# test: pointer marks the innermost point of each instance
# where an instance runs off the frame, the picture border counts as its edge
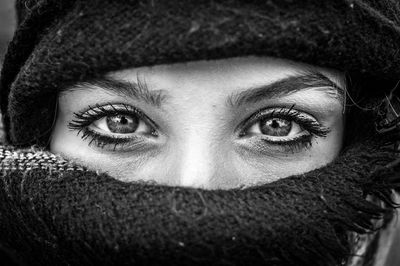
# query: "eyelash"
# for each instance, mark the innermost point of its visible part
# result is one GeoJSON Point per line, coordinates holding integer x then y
{"type": "Point", "coordinates": [85, 118]}
{"type": "Point", "coordinates": [305, 121]}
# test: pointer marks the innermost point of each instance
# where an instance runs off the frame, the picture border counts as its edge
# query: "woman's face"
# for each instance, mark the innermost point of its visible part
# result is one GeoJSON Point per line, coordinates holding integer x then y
{"type": "Point", "coordinates": [210, 124]}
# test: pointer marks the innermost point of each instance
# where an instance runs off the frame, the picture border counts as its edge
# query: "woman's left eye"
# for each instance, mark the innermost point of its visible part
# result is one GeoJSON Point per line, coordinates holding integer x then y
{"type": "Point", "coordinates": [276, 127]}
{"type": "Point", "coordinates": [282, 127]}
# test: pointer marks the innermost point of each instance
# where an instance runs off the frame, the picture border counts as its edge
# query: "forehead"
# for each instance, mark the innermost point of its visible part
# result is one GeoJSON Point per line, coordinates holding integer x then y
{"type": "Point", "coordinates": [221, 76]}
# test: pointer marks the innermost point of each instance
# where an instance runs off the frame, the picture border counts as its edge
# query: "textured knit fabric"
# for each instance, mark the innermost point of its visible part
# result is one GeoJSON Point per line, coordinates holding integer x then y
{"type": "Point", "coordinates": [53, 212]}
{"type": "Point", "coordinates": [62, 42]}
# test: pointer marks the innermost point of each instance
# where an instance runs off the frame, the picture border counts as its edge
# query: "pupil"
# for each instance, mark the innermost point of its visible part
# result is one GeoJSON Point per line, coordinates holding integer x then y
{"type": "Point", "coordinates": [124, 120]}
{"type": "Point", "coordinates": [275, 127]}
{"type": "Point", "coordinates": [122, 124]}
{"type": "Point", "coordinates": [275, 124]}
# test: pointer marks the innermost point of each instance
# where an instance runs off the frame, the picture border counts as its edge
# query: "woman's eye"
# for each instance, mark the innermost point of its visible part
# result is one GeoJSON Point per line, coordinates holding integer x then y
{"type": "Point", "coordinates": [121, 124]}
{"type": "Point", "coordinates": [113, 126]}
{"type": "Point", "coordinates": [276, 127]}
{"type": "Point", "coordinates": [281, 129]}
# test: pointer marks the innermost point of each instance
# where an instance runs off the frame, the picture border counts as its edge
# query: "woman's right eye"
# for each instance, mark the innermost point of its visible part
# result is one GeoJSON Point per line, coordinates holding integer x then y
{"type": "Point", "coordinates": [122, 124]}
{"type": "Point", "coordinates": [115, 125]}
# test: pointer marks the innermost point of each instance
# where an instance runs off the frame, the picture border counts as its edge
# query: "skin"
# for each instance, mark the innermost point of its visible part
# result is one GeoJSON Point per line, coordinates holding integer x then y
{"type": "Point", "coordinates": [199, 141]}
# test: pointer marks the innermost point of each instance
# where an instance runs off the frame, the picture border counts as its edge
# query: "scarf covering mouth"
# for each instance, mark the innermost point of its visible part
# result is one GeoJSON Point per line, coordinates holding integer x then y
{"type": "Point", "coordinates": [61, 42]}
{"type": "Point", "coordinates": [56, 212]}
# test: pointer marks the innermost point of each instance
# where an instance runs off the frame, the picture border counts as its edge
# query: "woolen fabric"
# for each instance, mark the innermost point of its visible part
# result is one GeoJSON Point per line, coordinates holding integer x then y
{"type": "Point", "coordinates": [54, 212]}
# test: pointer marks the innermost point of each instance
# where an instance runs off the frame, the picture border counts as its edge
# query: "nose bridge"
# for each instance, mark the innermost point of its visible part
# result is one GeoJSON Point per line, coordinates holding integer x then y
{"type": "Point", "coordinates": [197, 162]}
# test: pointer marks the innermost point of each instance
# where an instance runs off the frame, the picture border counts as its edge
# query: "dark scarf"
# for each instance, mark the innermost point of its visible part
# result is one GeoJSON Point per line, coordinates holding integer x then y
{"type": "Point", "coordinates": [55, 212]}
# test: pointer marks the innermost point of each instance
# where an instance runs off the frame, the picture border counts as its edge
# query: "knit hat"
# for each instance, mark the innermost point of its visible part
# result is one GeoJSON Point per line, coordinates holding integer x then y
{"type": "Point", "coordinates": [59, 43]}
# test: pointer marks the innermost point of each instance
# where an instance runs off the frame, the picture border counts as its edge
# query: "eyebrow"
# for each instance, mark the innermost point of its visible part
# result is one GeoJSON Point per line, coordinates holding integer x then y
{"type": "Point", "coordinates": [286, 86]}
{"type": "Point", "coordinates": [138, 90]}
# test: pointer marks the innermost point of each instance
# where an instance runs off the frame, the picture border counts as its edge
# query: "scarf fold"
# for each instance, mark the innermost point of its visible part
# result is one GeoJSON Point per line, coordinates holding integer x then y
{"type": "Point", "coordinates": [53, 211]}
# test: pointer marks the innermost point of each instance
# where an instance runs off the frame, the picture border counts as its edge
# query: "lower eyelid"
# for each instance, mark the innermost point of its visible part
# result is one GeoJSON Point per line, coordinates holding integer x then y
{"type": "Point", "coordinates": [104, 140]}
{"type": "Point", "coordinates": [283, 139]}
{"type": "Point", "coordinates": [264, 148]}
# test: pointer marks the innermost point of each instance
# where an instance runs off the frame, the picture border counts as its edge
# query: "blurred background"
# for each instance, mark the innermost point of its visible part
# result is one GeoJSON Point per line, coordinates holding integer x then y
{"type": "Point", "coordinates": [7, 25]}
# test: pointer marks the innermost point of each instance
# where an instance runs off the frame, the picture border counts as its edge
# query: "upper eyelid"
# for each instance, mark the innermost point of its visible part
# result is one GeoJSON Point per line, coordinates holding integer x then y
{"type": "Point", "coordinates": [142, 114]}
{"type": "Point", "coordinates": [323, 131]}
{"type": "Point", "coordinates": [278, 111]}
{"type": "Point", "coordinates": [102, 112]}
{"type": "Point", "coordinates": [128, 108]}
